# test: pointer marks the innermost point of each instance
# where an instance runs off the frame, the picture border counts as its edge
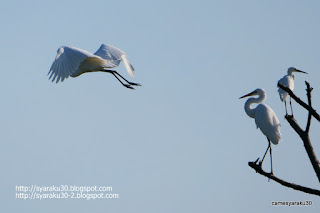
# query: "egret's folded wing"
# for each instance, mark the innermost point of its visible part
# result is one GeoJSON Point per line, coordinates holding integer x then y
{"type": "Point", "coordinates": [67, 62]}
{"type": "Point", "coordinates": [285, 81]}
{"type": "Point", "coordinates": [267, 121]}
{"type": "Point", "coordinates": [288, 82]}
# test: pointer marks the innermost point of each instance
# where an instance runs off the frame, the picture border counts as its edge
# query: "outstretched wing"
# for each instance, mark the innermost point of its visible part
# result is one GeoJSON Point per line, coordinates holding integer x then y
{"type": "Point", "coordinates": [67, 62]}
{"type": "Point", "coordinates": [114, 56]}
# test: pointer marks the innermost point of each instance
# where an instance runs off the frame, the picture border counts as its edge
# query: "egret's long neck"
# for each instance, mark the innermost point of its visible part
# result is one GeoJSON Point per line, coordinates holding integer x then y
{"type": "Point", "coordinates": [251, 112]}
{"type": "Point", "coordinates": [290, 72]}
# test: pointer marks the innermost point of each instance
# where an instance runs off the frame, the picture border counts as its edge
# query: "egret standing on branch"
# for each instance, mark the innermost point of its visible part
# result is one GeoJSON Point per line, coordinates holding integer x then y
{"type": "Point", "coordinates": [266, 120]}
{"type": "Point", "coordinates": [288, 81]}
{"type": "Point", "coordinates": [72, 61]}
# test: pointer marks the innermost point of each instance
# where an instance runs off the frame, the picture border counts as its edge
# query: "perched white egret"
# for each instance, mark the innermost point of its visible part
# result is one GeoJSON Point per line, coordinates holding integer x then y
{"type": "Point", "coordinates": [72, 61]}
{"type": "Point", "coordinates": [288, 81]}
{"type": "Point", "coordinates": [265, 118]}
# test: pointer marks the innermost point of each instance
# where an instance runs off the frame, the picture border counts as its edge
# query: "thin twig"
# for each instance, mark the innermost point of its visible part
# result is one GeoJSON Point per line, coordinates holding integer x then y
{"type": "Point", "coordinates": [309, 90]}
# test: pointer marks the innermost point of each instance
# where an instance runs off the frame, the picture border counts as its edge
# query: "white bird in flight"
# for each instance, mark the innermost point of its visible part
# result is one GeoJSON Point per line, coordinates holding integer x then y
{"type": "Point", "coordinates": [72, 61]}
{"type": "Point", "coordinates": [265, 118]}
{"type": "Point", "coordinates": [288, 81]}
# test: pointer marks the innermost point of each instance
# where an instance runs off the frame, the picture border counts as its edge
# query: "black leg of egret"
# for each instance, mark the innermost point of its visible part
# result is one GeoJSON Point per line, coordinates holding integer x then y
{"type": "Point", "coordinates": [291, 107]}
{"type": "Point", "coordinates": [285, 104]}
{"type": "Point", "coordinates": [131, 83]}
{"type": "Point", "coordinates": [265, 152]}
{"type": "Point", "coordinates": [271, 157]}
{"type": "Point", "coordinates": [125, 85]}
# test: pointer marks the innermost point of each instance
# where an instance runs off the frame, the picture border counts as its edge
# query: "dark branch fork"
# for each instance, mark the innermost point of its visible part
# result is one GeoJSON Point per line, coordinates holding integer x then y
{"type": "Point", "coordinates": [304, 135]}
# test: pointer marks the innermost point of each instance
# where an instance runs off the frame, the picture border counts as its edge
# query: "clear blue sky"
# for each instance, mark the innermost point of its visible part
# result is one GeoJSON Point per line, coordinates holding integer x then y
{"type": "Point", "coordinates": [182, 141]}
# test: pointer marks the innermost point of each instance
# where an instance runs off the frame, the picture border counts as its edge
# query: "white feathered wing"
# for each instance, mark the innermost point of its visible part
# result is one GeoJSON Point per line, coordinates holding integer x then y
{"type": "Point", "coordinates": [268, 122]}
{"type": "Point", "coordinates": [287, 81]}
{"type": "Point", "coordinates": [115, 55]}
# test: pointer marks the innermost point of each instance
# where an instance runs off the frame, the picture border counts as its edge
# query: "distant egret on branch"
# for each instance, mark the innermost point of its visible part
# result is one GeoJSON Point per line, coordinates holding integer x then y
{"type": "Point", "coordinates": [265, 118]}
{"type": "Point", "coordinates": [72, 61]}
{"type": "Point", "coordinates": [288, 81]}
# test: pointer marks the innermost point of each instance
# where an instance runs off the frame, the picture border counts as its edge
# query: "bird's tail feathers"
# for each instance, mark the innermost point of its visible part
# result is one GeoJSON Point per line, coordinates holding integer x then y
{"type": "Point", "coordinates": [282, 94]}
{"type": "Point", "coordinates": [277, 138]}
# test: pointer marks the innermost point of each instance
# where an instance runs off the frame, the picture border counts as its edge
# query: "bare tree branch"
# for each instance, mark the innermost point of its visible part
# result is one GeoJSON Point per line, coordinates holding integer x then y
{"type": "Point", "coordinates": [293, 123]}
{"type": "Point", "coordinates": [304, 135]}
{"type": "Point", "coordinates": [298, 100]}
{"type": "Point", "coordinates": [307, 144]}
{"type": "Point", "coordinates": [259, 170]}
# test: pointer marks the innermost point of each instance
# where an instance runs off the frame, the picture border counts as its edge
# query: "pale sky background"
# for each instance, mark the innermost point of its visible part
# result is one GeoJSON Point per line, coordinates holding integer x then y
{"type": "Point", "coordinates": [182, 141]}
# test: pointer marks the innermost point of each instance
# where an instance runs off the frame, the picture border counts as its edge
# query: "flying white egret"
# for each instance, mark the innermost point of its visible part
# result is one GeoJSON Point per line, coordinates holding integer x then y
{"type": "Point", "coordinates": [265, 118]}
{"type": "Point", "coordinates": [288, 81]}
{"type": "Point", "coordinates": [72, 61]}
